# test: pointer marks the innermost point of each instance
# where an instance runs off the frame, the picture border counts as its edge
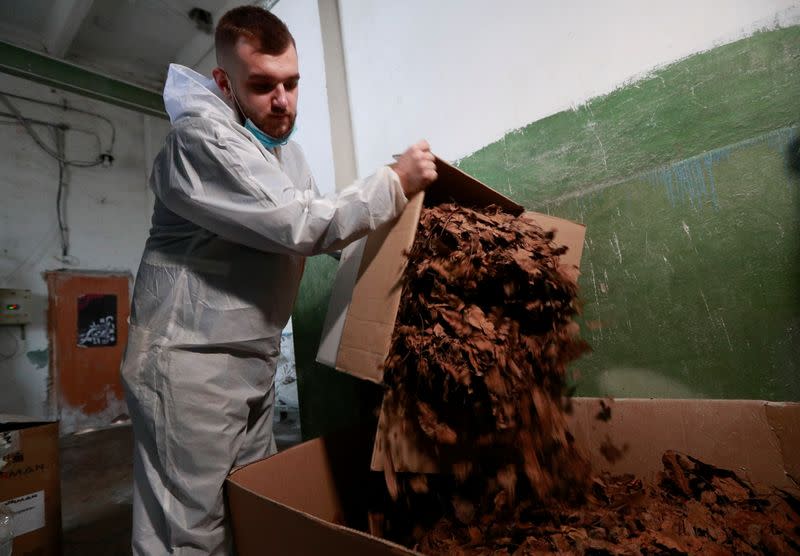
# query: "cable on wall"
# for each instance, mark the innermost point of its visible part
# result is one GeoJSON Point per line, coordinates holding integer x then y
{"type": "Point", "coordinates": [59, 154]}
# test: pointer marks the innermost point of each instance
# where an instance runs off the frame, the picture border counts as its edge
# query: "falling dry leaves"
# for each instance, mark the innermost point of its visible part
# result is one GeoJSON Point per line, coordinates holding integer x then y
{"type": "Point", "coordinates": [482, 341]}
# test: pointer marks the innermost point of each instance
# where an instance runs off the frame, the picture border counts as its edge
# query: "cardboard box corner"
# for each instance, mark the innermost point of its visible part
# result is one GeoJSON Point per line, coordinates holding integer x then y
{"type": "Point", "coordinates": [30, 482]}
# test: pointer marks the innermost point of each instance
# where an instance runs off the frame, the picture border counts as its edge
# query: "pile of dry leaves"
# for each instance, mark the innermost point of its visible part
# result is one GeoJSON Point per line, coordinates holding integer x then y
{"type": "Point", "coordinates": [477, 375]}
{"type": "Point", "coordinates": [695, 509]}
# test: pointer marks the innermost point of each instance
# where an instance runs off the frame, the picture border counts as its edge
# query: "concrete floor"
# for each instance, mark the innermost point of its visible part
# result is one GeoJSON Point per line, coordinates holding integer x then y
{"type": "Point", "coordinates": [96, 487]}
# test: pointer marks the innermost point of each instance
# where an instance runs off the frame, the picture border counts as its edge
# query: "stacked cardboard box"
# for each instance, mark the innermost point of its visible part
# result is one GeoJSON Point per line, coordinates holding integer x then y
{"type": "Point", "coordinates": [30, 483]}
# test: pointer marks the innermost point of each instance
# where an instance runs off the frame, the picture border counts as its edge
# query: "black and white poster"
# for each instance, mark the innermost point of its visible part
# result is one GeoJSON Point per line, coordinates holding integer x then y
{"type": "Point", "coordinates": [97, 320]}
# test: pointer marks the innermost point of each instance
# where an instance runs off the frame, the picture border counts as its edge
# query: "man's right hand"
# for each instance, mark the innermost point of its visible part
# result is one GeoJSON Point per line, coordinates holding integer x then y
{"type": "Point", "coordinates": [416, 168]}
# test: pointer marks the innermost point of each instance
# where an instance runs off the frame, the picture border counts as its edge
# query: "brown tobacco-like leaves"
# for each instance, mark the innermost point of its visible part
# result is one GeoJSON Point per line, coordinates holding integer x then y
{"type": "Point", "coordinates": [694, 509]}
{"type": "Point", "coordinates": [481, 345]}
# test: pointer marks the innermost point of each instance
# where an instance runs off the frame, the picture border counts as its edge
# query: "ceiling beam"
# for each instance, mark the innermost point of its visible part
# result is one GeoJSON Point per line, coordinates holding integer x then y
{"type": "Point", "coordinates": [62, 25]}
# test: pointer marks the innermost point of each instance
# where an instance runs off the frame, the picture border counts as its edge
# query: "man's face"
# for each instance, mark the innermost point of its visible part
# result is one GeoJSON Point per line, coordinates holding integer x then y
{"type": "Point", "coordinates": [266, 86]}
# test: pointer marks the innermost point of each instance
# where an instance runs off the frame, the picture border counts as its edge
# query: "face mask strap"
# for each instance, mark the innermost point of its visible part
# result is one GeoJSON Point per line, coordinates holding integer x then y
{"type": "Point", "coordinates": [233, 94]}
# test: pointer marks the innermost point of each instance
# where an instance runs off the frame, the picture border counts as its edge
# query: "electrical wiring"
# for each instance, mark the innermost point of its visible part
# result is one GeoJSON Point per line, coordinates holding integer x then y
{"type": "Point", "coordinates": [68, 108]}
{"type": "Point", "coordinates": [62, 227]}
{"type": "Point", "coordinates": [59, 154]}
{"type": "Point", "coordinates": [15, 122]}
{"type": "Point", "coordinates": [42, 145]}
{"type": "Point", "coordinates": [61, 171]}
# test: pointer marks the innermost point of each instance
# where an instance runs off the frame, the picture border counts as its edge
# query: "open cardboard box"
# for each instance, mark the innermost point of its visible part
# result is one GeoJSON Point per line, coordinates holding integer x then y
{"type": "Point", "coordinates": [312, 499]}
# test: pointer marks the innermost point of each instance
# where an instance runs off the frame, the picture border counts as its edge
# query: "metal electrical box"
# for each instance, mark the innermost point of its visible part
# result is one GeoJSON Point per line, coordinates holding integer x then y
{"type": "Point", "coordinates": [15, 306]}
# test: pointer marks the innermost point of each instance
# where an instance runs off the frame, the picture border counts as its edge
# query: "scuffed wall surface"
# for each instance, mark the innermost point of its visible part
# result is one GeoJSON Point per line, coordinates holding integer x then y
{"type": "Point", "coordinates": [687, 182]}
{"type": "Point", "coordinates": [108, 214]}
{"type": "Point", "coordinates": [690, 277]}
{"type": "Point", "coordinates": [705, 102]}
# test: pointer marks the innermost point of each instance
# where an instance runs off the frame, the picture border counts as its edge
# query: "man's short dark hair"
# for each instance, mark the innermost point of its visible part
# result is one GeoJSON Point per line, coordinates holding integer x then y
{"type": "Point", "coordinates": [255, 23]}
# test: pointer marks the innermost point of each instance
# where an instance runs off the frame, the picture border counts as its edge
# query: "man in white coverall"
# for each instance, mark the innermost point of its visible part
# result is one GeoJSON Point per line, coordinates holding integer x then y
{"type": "Point", "coordinates": [236, 213]}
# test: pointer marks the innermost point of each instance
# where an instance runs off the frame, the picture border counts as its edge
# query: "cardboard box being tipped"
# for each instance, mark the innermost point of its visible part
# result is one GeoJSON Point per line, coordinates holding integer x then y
{"type": "Point", "coordinates": [357, 333]}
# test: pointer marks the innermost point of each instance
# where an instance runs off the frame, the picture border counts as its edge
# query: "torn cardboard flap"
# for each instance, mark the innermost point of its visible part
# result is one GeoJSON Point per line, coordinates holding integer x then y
{"type": "Point", "coordinates": [358, 329]}
{"type": "Point", "coordinates": [357, 333]}
{"type": "Point", "coordinates": [567, 233]}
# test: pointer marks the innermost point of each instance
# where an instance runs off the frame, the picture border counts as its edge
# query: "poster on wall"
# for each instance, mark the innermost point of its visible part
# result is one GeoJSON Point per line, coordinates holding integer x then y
{"type": "Point", "coordinates": [97, 320]}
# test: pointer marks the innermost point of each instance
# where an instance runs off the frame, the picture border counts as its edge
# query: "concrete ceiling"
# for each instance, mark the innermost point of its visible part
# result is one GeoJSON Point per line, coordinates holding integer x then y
{"type": "Point", "coordinates": [133, 40]}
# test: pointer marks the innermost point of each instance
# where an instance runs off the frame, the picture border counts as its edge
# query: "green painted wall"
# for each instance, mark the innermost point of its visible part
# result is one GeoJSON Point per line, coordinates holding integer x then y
{"type": "Point", "coordinates": [691, 269]}
{"type": "Point", "coordinates": [710, 100]}
{"type": "Point", "coordinates": [689, 183]}
{"type": "Point", "coordinates": [329, 400]}
{"type": "Point", "coordinates": [691, 277]}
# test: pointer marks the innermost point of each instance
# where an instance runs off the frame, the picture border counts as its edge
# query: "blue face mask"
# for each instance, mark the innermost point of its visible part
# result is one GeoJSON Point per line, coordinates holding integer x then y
{"type": "Point", "coordinates": [268, 141]}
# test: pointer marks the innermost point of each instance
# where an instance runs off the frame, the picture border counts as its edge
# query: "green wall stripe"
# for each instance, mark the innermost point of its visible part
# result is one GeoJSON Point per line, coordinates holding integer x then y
{"type": "Point", "coordinates": [701, 103]}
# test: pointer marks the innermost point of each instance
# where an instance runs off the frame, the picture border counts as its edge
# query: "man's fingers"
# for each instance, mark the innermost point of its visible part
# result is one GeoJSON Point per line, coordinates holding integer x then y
{"type": "Point", "coordinates": [429, 170]}
{"type": "Point", "coordinates": [416, 168]}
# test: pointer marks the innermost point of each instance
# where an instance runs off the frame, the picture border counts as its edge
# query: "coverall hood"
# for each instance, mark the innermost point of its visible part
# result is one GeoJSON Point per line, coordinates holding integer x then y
{"type": "Point", "coordinates": [188, 93]}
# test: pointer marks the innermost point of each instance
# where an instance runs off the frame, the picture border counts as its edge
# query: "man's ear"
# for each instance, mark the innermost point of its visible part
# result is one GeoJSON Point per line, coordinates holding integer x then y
{"type": "Point", "coordinates": [221, 78]}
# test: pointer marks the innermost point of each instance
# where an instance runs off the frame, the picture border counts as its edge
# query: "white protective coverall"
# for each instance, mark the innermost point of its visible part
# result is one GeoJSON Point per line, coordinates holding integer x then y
{"type": "Point", "coordinates": [231, 226]}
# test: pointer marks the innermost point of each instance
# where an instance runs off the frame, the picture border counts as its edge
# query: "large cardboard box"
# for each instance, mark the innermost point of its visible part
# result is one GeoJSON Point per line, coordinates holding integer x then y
{"type": "Point", "coordinates": [312, 499]}
{"type": "Point", "coordinates": [30, 483]}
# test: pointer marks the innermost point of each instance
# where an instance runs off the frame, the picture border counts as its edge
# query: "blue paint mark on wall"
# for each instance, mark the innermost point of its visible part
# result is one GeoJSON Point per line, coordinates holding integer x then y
{"type": "Point", "coordinates": [691, 182]}
{"type": "Point", "coordinates": [690, 275]}
{"type": "Point", "coordinates": [39, 358]}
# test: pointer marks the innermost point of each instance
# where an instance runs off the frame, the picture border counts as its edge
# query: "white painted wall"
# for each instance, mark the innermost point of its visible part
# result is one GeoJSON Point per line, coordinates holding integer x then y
{"type": "Point", "coordinates": [108, 211]}
{"type": "Point", "coordinates": [313, 120]}
{"type": "Point", "coordinates": [463, 73]}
